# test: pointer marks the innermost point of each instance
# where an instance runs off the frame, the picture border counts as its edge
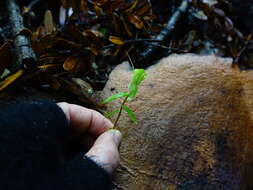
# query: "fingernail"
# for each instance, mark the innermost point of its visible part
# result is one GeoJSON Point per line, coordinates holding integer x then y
{"type": "Point", "coordinates": [116, 136]}
{"type": "Point", "coordinates": [108, 123]}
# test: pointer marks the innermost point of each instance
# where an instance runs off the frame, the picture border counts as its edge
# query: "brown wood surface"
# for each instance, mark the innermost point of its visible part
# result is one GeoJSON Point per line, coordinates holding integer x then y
{"type": "Point", "coordinates": [195, 126]}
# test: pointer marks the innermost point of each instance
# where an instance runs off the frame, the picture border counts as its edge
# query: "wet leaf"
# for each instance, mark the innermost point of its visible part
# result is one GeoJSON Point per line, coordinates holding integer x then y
{"type": "Point", "coordinates": [127, 27]}
{"type": "Point", "coordinates": [78, 36]}
{"type": "Point", "coordinates": [84, 86]}
{"type": "Point", "coordinates": [135, 20]}
{"type": "Point", "coordinates": [133, 5]}
{"type": "Point", "coordinates": [116, 40]}
{"type": "Point", "coordinates": [70, 63]}
{"type": "Point", "coordinates": [249, 37]}
{"type": "Point", "coordinates": [47, 66]}
{"type": "Point", "coordinates": [145, 8]}
{"type": "Point", "coordinates": [10, 79]}
{"type": "Point", "coordinates": [66, 44]}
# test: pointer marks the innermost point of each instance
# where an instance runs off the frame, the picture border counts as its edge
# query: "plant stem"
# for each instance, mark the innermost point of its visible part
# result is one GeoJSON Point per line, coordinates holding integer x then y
{"type": "Point", "coordinates": [120, 110]}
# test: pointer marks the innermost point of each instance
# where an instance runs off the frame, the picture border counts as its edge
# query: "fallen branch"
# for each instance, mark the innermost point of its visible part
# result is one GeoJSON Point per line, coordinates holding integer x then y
{"type": "Point", "coordinates": [165, 33]}
{"type": "Point", "coordinates": [22, 43]}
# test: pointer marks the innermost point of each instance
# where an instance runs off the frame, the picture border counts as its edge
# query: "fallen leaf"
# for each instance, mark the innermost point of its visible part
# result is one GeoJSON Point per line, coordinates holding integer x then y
{"type": "Point", "coordinates": [70, 63]}
{"type": "Point", "coordinates": [10, 79]}
{"type": "Point", "coordinates": [132, 6]}
{"type": "Point", "coordinates": [46, 66]}
{"type": "Point", "coordinates": [116, 40]}
{"type": "Point", "coordinates": [145, 8]}
{"type": "Point", "coordinates": [135, 20]}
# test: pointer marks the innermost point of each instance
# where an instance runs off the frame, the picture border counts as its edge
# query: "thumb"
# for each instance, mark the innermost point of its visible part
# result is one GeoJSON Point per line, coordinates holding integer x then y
{"type": "Point", "coordinates": [105, 150]}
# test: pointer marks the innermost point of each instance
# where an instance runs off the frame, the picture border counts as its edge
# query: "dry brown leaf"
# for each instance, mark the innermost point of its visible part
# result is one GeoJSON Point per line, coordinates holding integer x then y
{"type": "Point", "coordinates": [85, 87]}
{"type": "Point", "coordinates": [46, 66]}
{"type": "Point", "coordinates": [135, 20]}
{"type": "Point", "coordinates": [145, 8]}
{"type": "Point", "coordinates": [129, 32]}
{"type": "Point", "coordinates": [149, 17]}
{"type": "Point", "coordinates": [70, 63]}
{"type": "Point", "coordinates": [116, 40]}
{"type": "Point", "coordinates": [10, 79]}
{"type": "Point", "coordinates": [133, 5]}
{"type": "Point", "coordinates": [77, 35]}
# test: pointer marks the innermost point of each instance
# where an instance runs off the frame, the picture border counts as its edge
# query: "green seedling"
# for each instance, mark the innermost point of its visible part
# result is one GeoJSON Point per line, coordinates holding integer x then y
{"type": "Point", "coordinates": [138, 76]}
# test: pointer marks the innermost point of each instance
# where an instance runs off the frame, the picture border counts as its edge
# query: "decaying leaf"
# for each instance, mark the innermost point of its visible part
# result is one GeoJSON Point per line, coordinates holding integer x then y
{"type": "Point", "coordinates": [70, 63]}
{"type": "Point", "coordinates": [135, 20]}
{"type": "Point", "coordinates": [84, 86]}
{"type": "Point", "coordinates": [116, 40]}
{"type": "Point", "coordinates": [46, 66]}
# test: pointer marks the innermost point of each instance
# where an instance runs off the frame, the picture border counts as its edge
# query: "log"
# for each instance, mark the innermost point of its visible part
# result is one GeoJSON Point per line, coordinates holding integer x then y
{"type": "Point", "coordinates": [24, 52]}
{"type": "Point", "coordinates": [195, 126]}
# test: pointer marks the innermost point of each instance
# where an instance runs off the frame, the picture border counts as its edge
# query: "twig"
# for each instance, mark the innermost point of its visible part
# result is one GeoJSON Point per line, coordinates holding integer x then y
{"type": "Point", "coordinates": [120, 111]}
{"type": "Point", "coordinates": [213, 12]}
{"type": "Point", "coordinates": [131, 41]}
{"type": "Point", "coordinates": [130, 60]}
{"type": "Point", "coordinates": [22, 43]}
{"type": "Point", "coordinates": [165, 33]}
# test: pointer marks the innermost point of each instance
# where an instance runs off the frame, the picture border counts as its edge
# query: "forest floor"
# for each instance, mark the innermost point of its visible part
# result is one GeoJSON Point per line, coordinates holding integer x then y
{"type": "Point", "coordinates": [64, 50]}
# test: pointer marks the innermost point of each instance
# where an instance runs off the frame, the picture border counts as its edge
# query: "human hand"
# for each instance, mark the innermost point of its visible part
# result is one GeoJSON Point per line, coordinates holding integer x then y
{"type": "Point", "coordinates": [104, 141]}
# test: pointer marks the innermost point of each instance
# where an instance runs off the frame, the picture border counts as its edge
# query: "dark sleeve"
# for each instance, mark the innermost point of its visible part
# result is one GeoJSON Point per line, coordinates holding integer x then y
{"type": "Point", "coordinates": [32, 139]}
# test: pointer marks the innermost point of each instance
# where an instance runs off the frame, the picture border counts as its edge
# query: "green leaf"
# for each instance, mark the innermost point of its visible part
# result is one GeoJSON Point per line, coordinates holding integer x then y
{"type": "Point", "coordinates": [114, 97]}
{"type": "Point", "coordinates": [130, 113]}
{"type": "Point", "coordinates": [138, 76]}
{"type": "Point", "coordinates": [110, 114]}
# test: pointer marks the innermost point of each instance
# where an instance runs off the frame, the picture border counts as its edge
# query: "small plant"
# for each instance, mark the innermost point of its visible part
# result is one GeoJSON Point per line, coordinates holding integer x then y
{"type": "Point", "coordinates": [138, 76]}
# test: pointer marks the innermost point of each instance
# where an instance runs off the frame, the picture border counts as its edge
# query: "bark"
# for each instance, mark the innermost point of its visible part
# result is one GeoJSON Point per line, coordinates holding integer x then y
{"type": "Point", "coordinates": [195, 126]}
{"type": "Point", "coordinates": [22, 43]}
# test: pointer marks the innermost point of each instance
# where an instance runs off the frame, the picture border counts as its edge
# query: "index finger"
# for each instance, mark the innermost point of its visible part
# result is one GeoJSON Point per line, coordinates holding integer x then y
{"type": "Point", "coordinates": [82, 119]}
